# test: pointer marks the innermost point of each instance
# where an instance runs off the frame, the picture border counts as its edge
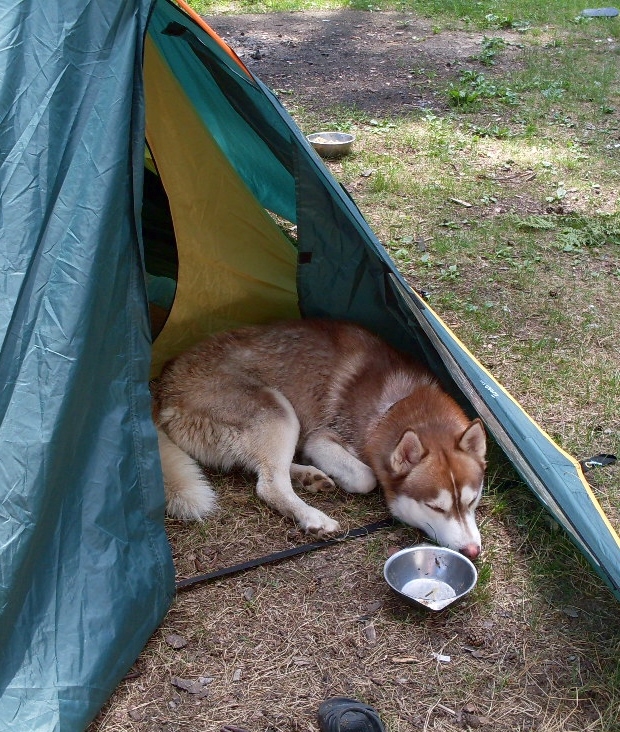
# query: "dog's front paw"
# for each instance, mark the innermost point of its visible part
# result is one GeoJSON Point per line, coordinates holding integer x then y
{"type": "Point", "coordinates": [316, 522]}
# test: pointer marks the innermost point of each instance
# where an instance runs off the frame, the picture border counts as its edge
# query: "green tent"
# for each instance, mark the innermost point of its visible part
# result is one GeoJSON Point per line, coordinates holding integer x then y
{"type": "Point", "coordinates": [85, 570]}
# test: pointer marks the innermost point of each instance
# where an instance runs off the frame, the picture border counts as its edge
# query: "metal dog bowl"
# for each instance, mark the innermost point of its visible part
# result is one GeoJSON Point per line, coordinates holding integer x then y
{"type": "Point", "coordinates": [331, 144]}
{"type": "Point", "coordinates": [430, 576]}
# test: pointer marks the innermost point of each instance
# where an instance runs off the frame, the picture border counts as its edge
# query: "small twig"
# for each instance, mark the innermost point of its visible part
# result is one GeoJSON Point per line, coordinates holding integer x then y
{"type": "Point", "coordinates": [446, 709]}
{"type": "Point", "coordinates": [144, 704]}
{"type": "Point", "coordinates": [428, 717]}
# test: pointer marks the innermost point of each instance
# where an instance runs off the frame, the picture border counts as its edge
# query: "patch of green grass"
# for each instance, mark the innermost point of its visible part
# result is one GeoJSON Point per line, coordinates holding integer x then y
{"type": "Point", "coordinates": [375, 550]}
{"type": "Point", "coordinates": [337, 118]}
{"type": "Point", "coordinates": [387, 178]}
{"type": "Point", "coordinates": [492, 14]}
{"type": "Point", "coordinates": [474, 88]}
{"type": "Point", "coordinates": [575, 232]}
{"type": "Point", "coordinates": [202, 7]}
{"type": "Point", "coordinates": [517, 15]}
{"type": "Point", "coordinates": [578, 232]}
{"type": "Point", "coordinates": [490, 47]}
{"type": "Point", "coordinates": [482, 593]}
{"type": "Point", "coordinates": [499, 132]}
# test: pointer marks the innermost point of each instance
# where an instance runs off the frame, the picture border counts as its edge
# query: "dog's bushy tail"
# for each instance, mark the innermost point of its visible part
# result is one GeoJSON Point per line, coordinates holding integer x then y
{"type": "Point", "coordinates": [189, 496]}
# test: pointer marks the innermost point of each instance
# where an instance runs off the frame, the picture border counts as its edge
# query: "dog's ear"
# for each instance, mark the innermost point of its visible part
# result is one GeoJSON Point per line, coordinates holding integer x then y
{"type": "Point", "coordinates": [407, 454]}
{"type": "Point", "coordinates": [473, 440]}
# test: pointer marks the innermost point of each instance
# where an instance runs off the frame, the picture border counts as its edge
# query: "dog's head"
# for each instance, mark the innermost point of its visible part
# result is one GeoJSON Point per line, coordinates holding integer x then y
{"type": "Point", "coordinates": [432, 479]}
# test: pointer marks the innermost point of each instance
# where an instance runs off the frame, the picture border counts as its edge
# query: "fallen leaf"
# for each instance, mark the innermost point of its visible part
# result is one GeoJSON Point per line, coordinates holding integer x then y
{"type": "Point", "coordinates": [194, 686]}
{"type": "Point", "coordinates": [370, 633]}
{"type": "Point", "coordinates": [394, 535]}
{"type": "Point", "coordinates": [474, 721]}
{"type": "Point", "coordinates": [176, 641]}
{"type": "Point", "coordinates": [374, 606]}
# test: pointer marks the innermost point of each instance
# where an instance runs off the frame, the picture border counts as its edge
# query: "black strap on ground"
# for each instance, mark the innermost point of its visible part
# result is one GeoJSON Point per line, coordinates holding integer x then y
{"type": "Point", "coordinates": [597, 461]}
{"type": "Point", "coordinates": [184, 584]}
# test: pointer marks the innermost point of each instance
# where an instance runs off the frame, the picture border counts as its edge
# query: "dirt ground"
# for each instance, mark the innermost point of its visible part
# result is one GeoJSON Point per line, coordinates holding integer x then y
{"type": "Point", "coordinates": [261, 650]}
{"type": "Point", "coordinates": [350, 58]}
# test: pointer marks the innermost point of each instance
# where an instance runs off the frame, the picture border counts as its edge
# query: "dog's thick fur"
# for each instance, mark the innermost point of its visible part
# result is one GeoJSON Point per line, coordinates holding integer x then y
{"type": "Point", "coordinates": [354, 408]}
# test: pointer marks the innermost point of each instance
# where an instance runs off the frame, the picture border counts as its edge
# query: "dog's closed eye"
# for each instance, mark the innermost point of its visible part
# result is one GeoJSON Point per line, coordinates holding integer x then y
{"type": "Point", "coordinates": [438, 509]}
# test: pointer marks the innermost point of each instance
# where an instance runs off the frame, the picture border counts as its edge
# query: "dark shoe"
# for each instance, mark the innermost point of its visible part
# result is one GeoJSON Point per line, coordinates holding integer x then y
{"type": "Point", "coordinates": [348, 715]}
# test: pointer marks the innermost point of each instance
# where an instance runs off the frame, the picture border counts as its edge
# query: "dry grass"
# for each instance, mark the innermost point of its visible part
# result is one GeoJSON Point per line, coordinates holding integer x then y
{"type": "Point", "coordinates": [275, 641]}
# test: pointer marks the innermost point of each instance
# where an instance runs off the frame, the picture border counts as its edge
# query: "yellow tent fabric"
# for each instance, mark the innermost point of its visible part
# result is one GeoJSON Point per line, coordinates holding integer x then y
{"type": "Point", "coordinates": [235, 265]}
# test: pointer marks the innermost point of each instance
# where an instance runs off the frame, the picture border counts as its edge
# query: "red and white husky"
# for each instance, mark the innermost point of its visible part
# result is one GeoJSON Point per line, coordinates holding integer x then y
{"type": "Point", "coordinates": [355, 410]}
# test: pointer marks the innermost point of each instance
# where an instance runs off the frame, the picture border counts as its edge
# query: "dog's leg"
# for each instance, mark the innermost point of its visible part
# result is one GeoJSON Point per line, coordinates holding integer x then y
{"type": "Point", "coordinates": [189, 496]}
{"type": "Point", "coordinates": [351, 474]}
{"type": "Point", "coordinates": [273, 445]}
